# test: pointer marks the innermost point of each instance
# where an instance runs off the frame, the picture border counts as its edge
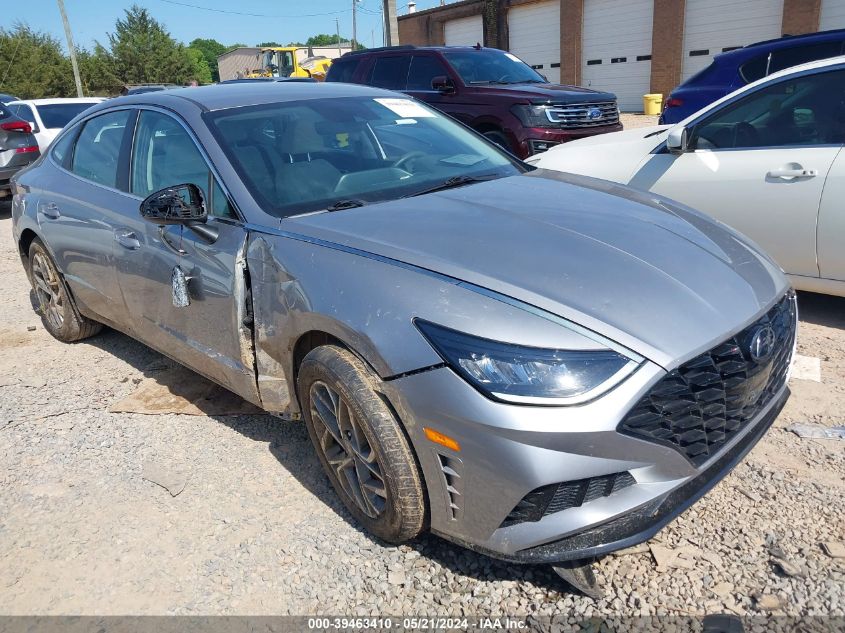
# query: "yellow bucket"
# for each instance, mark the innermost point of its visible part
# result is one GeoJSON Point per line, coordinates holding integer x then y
{"type": "Point", "coordinates": [652, 103]}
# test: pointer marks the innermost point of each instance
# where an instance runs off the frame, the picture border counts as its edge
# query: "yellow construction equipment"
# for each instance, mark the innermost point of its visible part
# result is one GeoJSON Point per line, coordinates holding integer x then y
{"type": "Point", "coordinates": [290, 61]}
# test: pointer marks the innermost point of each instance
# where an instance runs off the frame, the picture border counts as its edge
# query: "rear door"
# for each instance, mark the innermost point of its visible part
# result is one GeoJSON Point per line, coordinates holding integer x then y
{"type": "Point", "coordinates": [208, 335]}
{"type": "Point", "coordinates": [80, 204]}
{"type": "Point", "coordinates": [832, 223]}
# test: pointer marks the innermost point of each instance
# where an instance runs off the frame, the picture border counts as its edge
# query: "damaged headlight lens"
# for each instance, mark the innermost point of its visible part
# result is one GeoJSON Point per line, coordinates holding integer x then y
{"type": "Point", "coordinates": [528, 375]}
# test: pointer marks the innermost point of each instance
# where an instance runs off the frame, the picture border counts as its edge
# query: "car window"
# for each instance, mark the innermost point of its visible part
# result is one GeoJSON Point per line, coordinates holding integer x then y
{"type": "Point", "coordinates": [302, 156]}
{"type": "Point", "coordinates": [390, 72]}
{"type": "Point", "coordinates": [343, 70]}
{"type": "Point", "coordinates": [61, 148]}
{"type": "Point", "coordinates": [97, 151]}
{"type": "Point", "coordinates": [165, 155]}
{"type": "Point", "coordinates": [754, 68]}
{"type": "Point", "coordinates": [788, 57]}
{"type": "Point", "coordinates": [806, 110]}
{"type": "Point", "coordinates": [487, 66]}
{"type": "Point", "coordinates": [58, 115]}
{"type": "Point", "coordinates": [23, 111]}
{"type": "Point", "coordinates": [424, 68]}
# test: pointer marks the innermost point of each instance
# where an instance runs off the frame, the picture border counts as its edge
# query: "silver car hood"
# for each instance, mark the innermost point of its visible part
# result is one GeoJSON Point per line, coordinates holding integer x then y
{"type": "Point", "coordinates": [660, 279]}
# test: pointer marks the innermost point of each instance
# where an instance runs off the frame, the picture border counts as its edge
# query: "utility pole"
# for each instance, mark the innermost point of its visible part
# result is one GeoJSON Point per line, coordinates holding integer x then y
{"type": "Point", "coordinates": [337, 28]}
{"type": "Point", "coordinates": [354, 23]}
{"type": "Point", "coordinates": [391, 26]}
{"type": "Point", "coordinates": [71, 49]}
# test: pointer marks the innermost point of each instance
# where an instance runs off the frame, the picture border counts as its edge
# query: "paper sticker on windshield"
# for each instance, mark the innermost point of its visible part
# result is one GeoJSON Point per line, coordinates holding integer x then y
{"type": "Point", "coordinates": [405, 108]}
{"type": "Point", "coordinates": [513, 57]}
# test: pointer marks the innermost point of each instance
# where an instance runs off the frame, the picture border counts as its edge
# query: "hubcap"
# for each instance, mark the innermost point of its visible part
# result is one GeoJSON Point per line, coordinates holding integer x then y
{"type": "Point", "coordinates": [347, 450]}
{"type": "Point", "coordinates": [45, 280]}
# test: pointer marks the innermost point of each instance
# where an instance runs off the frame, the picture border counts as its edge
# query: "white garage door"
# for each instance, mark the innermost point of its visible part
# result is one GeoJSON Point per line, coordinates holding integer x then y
{"type": "Point", "coordinates": [713, 26]}
{"type": "Point", "coordinates": [464, 31]}
{"type": "Point", "coordinates": [616, 53]}
{"type": "Point", "coordinates": [833, 15]}
{"type": "Point", "coordinates": [534, 36]}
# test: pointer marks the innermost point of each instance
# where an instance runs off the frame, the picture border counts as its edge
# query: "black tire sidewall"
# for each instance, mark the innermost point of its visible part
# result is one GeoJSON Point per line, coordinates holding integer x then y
{"type": "Point", "coordinates": [341, 371]}
{"type": "Point", "coordinates": [67, 310]}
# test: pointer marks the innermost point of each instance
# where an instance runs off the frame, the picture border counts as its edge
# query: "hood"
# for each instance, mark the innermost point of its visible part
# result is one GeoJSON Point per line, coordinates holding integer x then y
{"type": "Point", "coordinates": [545, 93]}
{"type": "Point", "coordinates": [615, 156]}
{"type": "Point", "coordinates": [661, 280]}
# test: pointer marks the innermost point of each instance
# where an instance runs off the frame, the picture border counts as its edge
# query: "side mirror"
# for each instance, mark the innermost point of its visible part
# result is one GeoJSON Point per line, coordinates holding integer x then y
{"type": "Point", "coordinates": [442, 84]}
{"type": "Point", "coordinates": [180, 204]}
{"type": "Point", "coordinates": [677, 140]}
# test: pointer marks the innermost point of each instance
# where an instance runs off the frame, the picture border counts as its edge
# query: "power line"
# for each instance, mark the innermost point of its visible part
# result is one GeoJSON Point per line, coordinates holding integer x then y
{"type": "Point", "coordinates": [253, 15]}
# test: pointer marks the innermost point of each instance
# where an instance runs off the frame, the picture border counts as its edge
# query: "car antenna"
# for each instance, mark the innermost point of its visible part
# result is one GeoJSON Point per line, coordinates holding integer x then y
{"type": "Point", "coordinates": [477, 46]}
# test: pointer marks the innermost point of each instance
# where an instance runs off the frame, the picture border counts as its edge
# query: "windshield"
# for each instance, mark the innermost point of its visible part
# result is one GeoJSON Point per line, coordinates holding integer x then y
{"type": "Point", "coordinates": [58, 115]}
{"type": "Point", "coordinates": [492, 67]}
{"type": "Point", "coordinates": [302, 156]}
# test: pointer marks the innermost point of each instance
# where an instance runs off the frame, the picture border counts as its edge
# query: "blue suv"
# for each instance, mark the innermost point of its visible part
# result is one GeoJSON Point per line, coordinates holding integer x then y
{"type": "Point", "coordinates": [741, 66]}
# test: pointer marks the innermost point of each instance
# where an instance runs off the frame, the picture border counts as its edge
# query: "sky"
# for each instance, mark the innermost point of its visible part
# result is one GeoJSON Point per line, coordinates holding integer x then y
{"type": "Point", "coordinates": [223, 20]}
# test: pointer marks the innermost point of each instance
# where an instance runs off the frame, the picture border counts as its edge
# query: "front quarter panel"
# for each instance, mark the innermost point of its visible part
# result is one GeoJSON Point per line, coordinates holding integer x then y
{"type": "Point", "coordinates": [369, 304]}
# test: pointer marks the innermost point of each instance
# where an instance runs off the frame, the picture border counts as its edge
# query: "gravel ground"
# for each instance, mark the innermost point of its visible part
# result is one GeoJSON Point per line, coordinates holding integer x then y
{"type": "Point", "coordinates": [257, 529]}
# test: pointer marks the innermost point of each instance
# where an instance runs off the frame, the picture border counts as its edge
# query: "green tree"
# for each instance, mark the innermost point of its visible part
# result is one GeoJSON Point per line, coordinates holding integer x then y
{"type": "Point", "coordinates": [142, 51]}
{"type": "Point", "coordinates": [33, 65]}
{"type": "Point", "coordinates": [97, 72]}
{"type": "Point", "coordinates": [200, 68]}
{"type": "Point", "coordinates": [211, 49]}
{"type": "Point", "coordinates": [269, 44]}
{"type": "Point", "coordinates": [323, 39]}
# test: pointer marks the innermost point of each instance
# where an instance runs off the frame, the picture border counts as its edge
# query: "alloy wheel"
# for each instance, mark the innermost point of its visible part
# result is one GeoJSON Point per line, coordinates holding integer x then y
{"type": "Point", "coordinates": [48, 290]}
{"type": "Point", "coordinates": [347, 450]}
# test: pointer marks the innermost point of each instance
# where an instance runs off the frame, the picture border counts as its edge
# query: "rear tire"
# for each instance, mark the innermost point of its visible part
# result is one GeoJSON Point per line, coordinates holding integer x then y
{"type": "Point", "coordinates": [361, 445]}
{"type": "Point", "coordinates": [59, 314]}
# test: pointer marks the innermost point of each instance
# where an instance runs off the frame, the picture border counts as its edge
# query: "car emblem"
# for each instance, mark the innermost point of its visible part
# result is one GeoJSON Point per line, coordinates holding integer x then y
{"type": "Point", "coordinates": [762, 344]}
{"type": "Point", "coordinates": [594, 113]}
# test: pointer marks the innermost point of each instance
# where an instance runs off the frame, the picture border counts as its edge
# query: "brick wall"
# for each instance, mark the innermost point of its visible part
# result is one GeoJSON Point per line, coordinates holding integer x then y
{"type": "Point", "coordinates": [571, 27]}
{"type": "Point", "coordinates": [801, 16]}
{"type": "Point", "coordinates": [426, 27]}
{"type": "Point", "coordinates": [667, 45]}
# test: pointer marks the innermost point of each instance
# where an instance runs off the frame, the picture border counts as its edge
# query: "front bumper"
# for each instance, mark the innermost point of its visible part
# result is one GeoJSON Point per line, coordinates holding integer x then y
{"type": "Point", "coordinates": [531, 140]}
{"type": "Point", "coordinates": [507, 451]}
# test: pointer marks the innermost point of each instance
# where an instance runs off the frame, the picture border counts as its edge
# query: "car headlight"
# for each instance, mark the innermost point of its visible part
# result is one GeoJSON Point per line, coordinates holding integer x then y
{"type": "Point", "coordinates": [528, 375]}
{"type": "Point", "coordinates": [533, 115]}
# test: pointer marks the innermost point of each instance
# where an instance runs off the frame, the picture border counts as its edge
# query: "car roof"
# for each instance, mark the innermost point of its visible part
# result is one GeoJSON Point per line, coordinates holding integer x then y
{"type": "Point", "coordinates": [223, 96]}
{"type": "Point", "coordinates": [408, 48]}
{"type": "Point", "coordinates": [38, 102]}
{"type": "Point", "coordinates": [785, 42]}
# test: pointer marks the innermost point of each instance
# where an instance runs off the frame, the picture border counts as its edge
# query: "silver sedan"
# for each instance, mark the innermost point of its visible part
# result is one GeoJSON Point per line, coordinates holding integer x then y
{"type": "Point", "coordinates": [539, 366]}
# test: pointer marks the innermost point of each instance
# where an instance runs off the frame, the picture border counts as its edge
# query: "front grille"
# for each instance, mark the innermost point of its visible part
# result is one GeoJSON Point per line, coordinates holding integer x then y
{"type": "Point", "coordinates": [569, 494]}
{"type": "Point", "coordinates": [700, 406]}
{"type": "Point", "coordinates": [583, 115]}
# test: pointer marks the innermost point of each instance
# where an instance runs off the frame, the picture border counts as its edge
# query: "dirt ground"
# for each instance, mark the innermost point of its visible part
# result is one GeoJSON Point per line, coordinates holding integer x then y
{"type": "Point", "coordinates": [255, 529]}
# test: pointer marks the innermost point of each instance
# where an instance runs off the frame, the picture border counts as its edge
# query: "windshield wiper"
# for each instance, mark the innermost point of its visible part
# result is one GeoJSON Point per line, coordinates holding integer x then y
{"type": "Point", "coordinates": [340, 205]}
{"type": "Point", "coordinates": [451, 183]}
{"type": "Point", "coordinates": [488, 81]}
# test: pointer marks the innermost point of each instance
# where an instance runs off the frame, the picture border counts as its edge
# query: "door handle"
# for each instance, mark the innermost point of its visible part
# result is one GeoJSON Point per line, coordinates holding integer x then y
{"type": "Point", "coordinates": [49, 210]}
{"type": "Point", "coordinates": [792, 172]}
{"type": "Point", "coordinates": [127, 239]}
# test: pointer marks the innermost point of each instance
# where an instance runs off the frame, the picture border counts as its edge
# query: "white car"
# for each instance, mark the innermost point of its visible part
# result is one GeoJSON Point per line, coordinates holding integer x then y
{"type": "Point", "coordinates": [48, 116]}
{"type": "Point", "coordinates": [766, 159]}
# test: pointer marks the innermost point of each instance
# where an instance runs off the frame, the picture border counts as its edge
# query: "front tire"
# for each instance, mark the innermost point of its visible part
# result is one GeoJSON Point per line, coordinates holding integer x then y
{"type": "Point", "coordinates": [361, 445]}
{"type": "Point", "coordinates": [58, 313]}
{"type": "Point", "coordinates": [499, 139]}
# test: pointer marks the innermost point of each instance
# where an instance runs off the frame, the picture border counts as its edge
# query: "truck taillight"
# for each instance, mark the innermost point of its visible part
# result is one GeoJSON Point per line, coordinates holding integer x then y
{"type": "Point", "coordinates": [26, 150]}
{"type": "Point", "coordinates": [17, 126]}
{"type": "Point", "coordinates": [674, 102]}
